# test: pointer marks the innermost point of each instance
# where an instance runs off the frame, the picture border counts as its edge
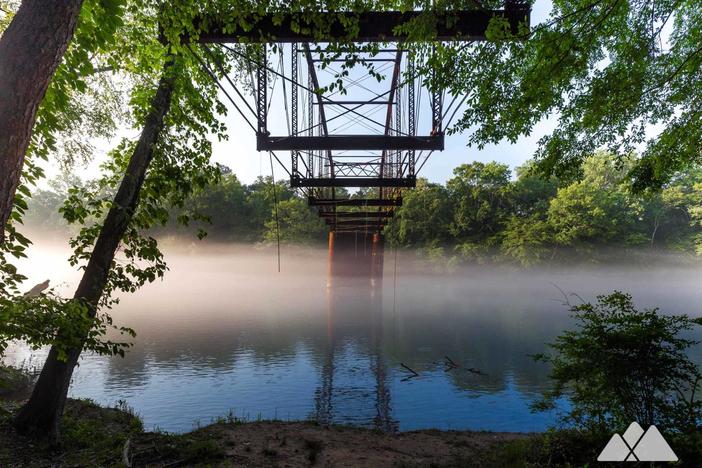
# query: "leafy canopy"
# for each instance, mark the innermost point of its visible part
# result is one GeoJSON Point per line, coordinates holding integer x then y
{"type": "Point", "coordinates": [614, 74]}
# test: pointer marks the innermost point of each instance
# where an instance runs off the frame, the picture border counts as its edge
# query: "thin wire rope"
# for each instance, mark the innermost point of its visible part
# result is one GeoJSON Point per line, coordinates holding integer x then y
{"type": "Point", "coordinates": [355, 120]}
{"type": "Point", "coordinates": [226, 76]}
{"type": "Point", "coordinates": [308, 89]}
{"type": "Point", "coordinates": [417, 74]}
{"type": "Point", "coordinates": [333, 72]}
{"type": "Point", "coordinates": [275, 79]}
{"type": "Point", "coordinates": [456, 110]}
{"type": "Point", "coordinates": [219, 84]}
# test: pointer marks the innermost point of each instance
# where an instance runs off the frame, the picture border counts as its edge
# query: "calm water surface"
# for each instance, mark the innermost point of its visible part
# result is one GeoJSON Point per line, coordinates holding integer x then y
{"type": "Point", "coordinates": [225, 332]}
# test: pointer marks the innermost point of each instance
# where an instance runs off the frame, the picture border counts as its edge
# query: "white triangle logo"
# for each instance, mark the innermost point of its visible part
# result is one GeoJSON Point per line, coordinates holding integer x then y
{"type": "Point", "coordinates": [637, 445]}
{"type": "Point", "coordinates": [653, 447]}
{"type": "Point", "coordinates": [615, 450]}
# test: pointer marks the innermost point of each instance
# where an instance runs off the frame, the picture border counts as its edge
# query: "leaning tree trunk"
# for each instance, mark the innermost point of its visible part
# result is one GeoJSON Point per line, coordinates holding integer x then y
{"type": "Point", "coordinates": [42, 413]}
{"type": "Point", "coordinates": [31, 49]}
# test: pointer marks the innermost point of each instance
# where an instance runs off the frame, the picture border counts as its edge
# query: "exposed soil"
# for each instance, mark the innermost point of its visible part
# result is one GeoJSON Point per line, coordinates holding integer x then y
{"type": "Point", "coordinates": [97, 436]}
{"type": "Point", "coordinates": [293, 444]}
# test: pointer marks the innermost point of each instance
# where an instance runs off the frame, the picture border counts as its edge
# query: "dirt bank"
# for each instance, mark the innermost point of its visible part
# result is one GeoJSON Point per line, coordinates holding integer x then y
{"type": "Point", "coordinates": [97, 436]}
{"type": "Point", "coordinates": [307, 444]}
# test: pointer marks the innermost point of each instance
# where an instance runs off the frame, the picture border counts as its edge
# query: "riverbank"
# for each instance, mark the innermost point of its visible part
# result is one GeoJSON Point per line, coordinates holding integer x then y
{"type": "Point", "coordinates": [98, 436]}
{"type": "Point", "coordinates": [93, 435]}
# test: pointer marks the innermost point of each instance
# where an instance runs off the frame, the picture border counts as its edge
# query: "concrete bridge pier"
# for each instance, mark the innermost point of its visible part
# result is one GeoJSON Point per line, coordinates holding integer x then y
{"type": "Point", "coordinates": [355, 257]}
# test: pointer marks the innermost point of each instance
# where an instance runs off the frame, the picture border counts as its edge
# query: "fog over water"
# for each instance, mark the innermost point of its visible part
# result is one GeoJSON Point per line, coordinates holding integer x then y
{"type": "Point", "coordinates": [226, 332]}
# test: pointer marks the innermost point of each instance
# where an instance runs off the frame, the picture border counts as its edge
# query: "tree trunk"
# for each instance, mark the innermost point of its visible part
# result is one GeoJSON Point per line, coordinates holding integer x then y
{"type": "Point", "coordinates": [31, 49]}
{"type": "Point", "coordinates": [42, 413]}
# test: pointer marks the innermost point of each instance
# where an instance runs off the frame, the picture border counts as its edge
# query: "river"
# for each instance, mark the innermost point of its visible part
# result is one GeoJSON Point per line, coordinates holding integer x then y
{"type": "Point", "coordinates": [225, 333]}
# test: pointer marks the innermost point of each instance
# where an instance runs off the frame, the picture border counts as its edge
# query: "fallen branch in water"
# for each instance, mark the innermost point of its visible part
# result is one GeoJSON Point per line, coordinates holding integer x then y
{"type": "Point", "coordinates": [416, 374]}
{"type": "Point", "coordinates": [451, 364]}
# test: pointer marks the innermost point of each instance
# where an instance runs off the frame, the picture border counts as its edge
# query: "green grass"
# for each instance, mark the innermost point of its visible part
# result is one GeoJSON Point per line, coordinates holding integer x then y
{"type": "Point", "coordinates": [90, 436]}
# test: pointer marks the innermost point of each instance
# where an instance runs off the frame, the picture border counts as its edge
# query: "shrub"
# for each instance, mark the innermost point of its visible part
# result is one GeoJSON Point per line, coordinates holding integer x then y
{"type": "Point", "coordinates": [622, 365]}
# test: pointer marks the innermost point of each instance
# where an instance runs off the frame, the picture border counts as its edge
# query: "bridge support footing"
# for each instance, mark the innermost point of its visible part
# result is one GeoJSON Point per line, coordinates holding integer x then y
{"type": "Point", "coordinates": [355, 257]}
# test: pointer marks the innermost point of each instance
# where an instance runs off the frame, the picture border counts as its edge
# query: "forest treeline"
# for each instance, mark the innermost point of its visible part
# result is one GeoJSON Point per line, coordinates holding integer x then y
{"type": "Point", "coordinates": [483, 213]}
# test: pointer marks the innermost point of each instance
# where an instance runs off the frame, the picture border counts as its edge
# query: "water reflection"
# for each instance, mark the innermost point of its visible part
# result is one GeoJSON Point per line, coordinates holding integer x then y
{"type": "Point", "coordinates": [225, 332]}
{"type": "Point", "coordinates": [354, 374]}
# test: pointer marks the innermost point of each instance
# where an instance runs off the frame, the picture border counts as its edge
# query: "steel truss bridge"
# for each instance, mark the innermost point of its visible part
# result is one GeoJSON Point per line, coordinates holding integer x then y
{"type": "Point", "coordinates": [375, 136]}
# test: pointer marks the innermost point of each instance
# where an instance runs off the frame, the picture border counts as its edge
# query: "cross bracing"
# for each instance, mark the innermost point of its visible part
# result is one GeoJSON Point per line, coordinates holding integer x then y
{"type": "Point", "coordinates": [360, 117]}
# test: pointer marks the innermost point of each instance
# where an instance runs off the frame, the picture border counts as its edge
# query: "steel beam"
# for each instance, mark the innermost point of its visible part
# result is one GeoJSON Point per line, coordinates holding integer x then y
{"type": "Point", "coordinates": [373, 26]}
{"type": "Point", "coordinates": [411, 123]}
{"type": "Point", "coordinates": [388, 115]}
{"type": "Point", "coordinates": [353, 230]}
{"type": "Point", "coordinates": [312, 201]}
{"type": "Point", "coordinates": [357, 214]}
{"type": "Point", "coordinates": [355, 223]}
{"type": "Point", "coordinates": [262, 95]}
{"type": "Point", "coordinates": [350, 142]}
{"type": "Point", "coordinates": [353, 182]}
{"type": "Point", "coordinates": [353, 103]}
{"type": "Point", "coordinates": [293, 105]}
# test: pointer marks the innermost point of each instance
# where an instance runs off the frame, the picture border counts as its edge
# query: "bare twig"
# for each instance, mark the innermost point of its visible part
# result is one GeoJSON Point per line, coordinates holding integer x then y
{"type": "Point", "coordinates": [565, 302]}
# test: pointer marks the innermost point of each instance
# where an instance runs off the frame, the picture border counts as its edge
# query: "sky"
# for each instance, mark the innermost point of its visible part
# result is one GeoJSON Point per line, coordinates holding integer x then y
{"type": "Point", "coordinates": [239, 151]}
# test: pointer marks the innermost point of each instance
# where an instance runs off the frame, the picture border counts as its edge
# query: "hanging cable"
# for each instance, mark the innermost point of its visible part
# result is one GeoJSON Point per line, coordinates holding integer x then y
{"type": "Point", "coordinates": [448, 123]}
{"type": "Point", "coordinates": [214, 77]}
{"type": "Point", "coordinates": [220, 66]}
{"type": "Point", "coordinates": [281, 164]}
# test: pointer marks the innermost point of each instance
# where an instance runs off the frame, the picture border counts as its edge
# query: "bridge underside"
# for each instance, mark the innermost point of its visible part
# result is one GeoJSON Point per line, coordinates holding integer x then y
{"type": "Point", "coordinates": [365, 137]}
{"type": "Point", "coordinates": [355, 254]}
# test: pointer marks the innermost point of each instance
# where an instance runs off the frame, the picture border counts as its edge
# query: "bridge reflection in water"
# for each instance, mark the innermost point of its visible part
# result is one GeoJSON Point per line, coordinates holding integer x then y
{"type": "Point", "coordinates": [354, 307]}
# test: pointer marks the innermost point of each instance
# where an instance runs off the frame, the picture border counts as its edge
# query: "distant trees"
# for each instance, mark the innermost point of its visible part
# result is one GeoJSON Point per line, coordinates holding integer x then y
{"type": "Point", "coordinates": [297, 223]}
{"type": "Point", "coordinates": [485, 215]}
{"type": "Point", "coordinates": [230, 211]}
{"type": "Point", "coordinates": [600, 210]}
{"type": "Point", "coordinates": [226, 211]}
{"type": "Point", "coordinates": [479, 194]}
{"type": "Point", "coordinates": [481, 214]}
{"type": "Point", "coordinates": [425, 218]}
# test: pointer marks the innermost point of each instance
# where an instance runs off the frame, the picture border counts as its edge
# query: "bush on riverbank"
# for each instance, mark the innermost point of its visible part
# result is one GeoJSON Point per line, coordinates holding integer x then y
{"type": "Point", "coordinates": [622, 365]}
